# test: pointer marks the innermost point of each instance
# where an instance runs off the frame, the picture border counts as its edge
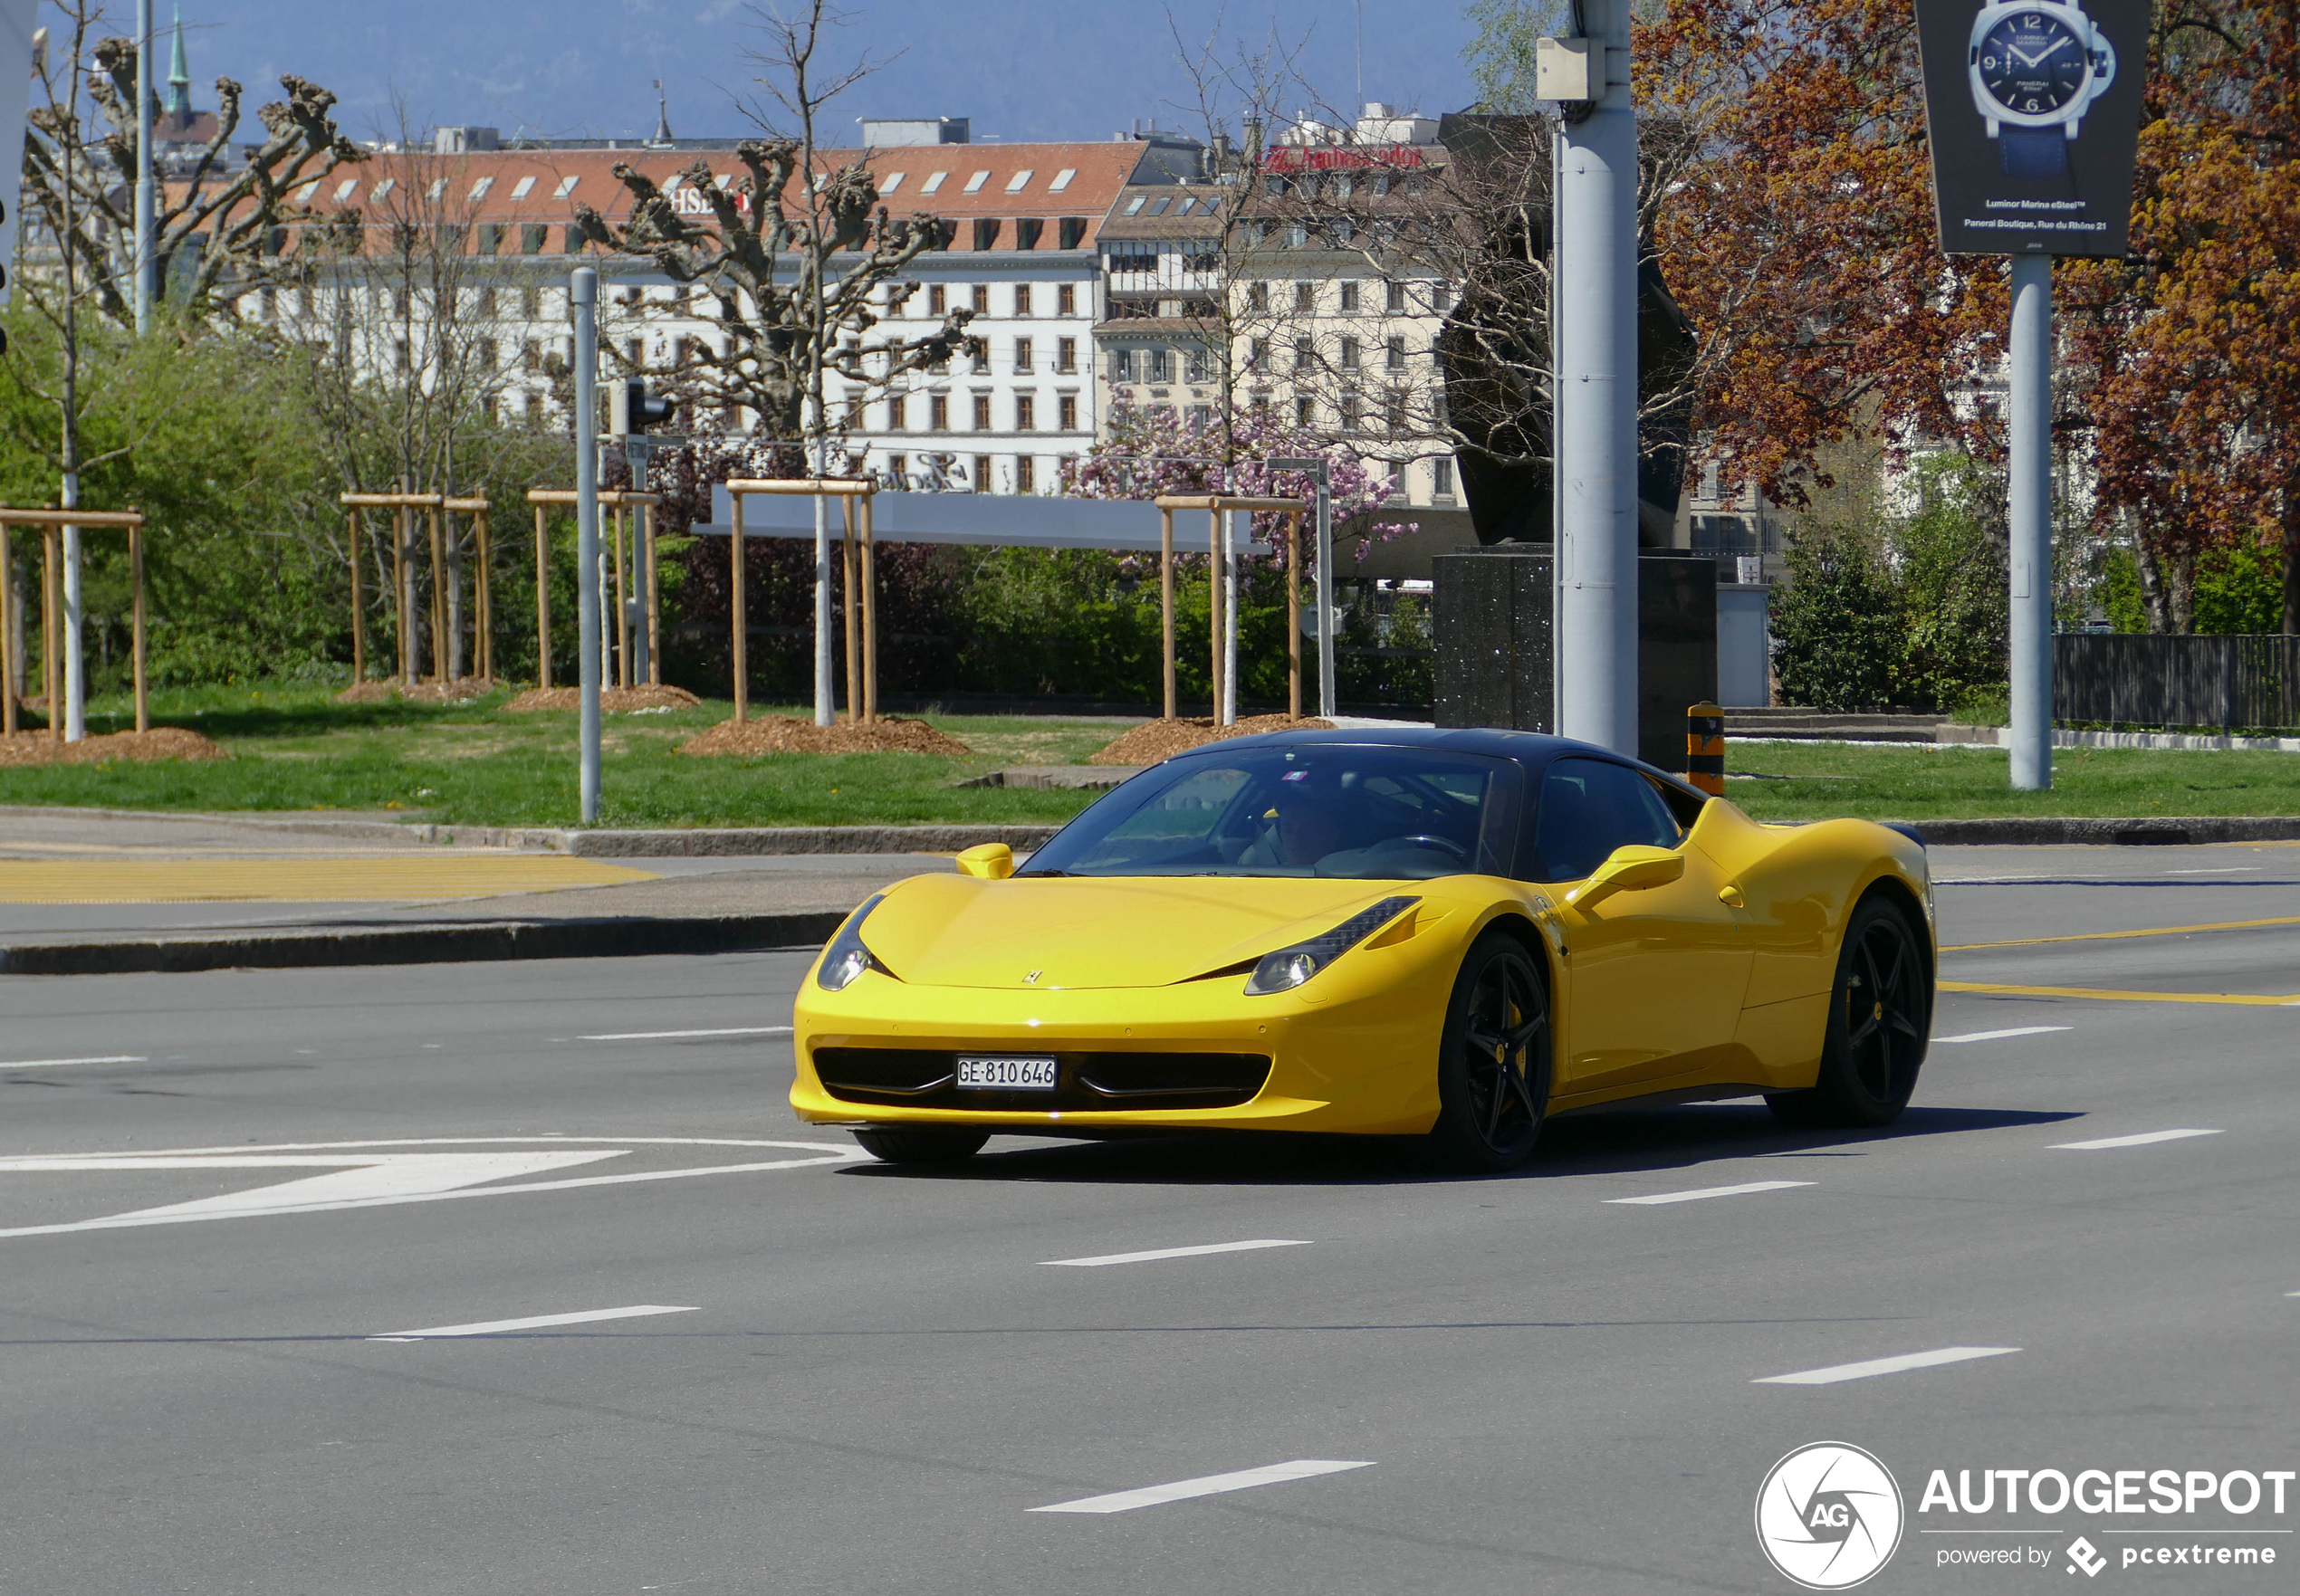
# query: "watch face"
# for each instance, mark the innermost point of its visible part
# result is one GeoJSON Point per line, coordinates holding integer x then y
{"type": "Point", "coordinates": [2032, 63]}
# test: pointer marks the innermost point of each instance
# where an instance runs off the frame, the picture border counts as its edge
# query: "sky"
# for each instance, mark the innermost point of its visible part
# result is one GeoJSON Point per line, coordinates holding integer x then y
{"type": "Point", "coordinates": [1021, 68]}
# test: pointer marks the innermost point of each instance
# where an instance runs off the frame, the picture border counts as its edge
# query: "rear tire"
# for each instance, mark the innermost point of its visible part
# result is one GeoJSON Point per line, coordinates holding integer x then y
{"type": "Point", "coordinates": [1494, 1059]}
{"type": "Point", "coordinates": [921, 1145]}
{"type": "Point", "coordinates": [1880, 1021]}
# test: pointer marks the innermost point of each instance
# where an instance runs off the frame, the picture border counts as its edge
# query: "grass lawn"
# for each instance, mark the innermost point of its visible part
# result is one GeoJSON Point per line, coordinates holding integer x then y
{"type": "Point", "coordinates": [1814, 781]}
{"type": "Point", "coordinates": [295, 748]}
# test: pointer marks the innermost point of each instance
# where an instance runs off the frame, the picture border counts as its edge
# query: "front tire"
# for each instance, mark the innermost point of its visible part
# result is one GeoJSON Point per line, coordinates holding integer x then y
{"type": "Point", "coordinates": [1880, 1021]}
{"type": "Point", "coordinates": [1493, 1063]}
{"type": "Point", "coordinates": [921, 1145]}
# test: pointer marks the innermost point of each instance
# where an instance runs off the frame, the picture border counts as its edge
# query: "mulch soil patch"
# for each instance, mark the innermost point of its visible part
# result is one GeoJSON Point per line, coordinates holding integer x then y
{"type": "Point", "coordinates": [787, 734]}
{"type": "Point", "coordinates": [1152, 740]}
{"type": "Point", "coordinates": [612, 701]}
{"type": "Point", "coordinates": [161, 742]}
{"type": "Point", "coordinates": [459, 691]}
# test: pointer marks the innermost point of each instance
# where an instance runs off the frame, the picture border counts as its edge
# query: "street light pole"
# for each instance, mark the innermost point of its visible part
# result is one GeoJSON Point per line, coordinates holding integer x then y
{"type": "Point", "coordinates": [1596, 413]}
{"type": "Point", "coordinates": [582, 294]}
{"type": "Point", "coordinates": [2030, 357]}
{"type": "Point", "coordinates": [146, 264]}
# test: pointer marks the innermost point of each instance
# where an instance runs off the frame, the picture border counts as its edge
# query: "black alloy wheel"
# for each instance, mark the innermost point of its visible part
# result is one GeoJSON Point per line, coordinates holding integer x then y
{"type": "Point", "coordinates": [1879, 1022]}
{"type": "Point", "coordinates": [921, 1145]}
{"type": "Point", "coordinates": [1494, 1063]}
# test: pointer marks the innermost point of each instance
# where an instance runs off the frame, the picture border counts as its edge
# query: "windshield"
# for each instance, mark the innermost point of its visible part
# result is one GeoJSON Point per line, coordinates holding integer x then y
{"type": "Point", "coordinates": [1329, 809]}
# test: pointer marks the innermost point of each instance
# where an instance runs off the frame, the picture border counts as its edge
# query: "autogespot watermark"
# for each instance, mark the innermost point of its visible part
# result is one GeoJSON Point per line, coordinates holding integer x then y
{"type": "Point", "coordinates": [1830, 1516]}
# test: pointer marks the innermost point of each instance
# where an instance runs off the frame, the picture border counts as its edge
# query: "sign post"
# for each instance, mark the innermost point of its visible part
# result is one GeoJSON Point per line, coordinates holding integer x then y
{"type": "Point", "coordinates": [2033, 113]}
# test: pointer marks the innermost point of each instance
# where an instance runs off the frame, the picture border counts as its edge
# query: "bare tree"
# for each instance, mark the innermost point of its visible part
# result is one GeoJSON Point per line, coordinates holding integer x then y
{"type": "Point", "coordinates": [799, 260]}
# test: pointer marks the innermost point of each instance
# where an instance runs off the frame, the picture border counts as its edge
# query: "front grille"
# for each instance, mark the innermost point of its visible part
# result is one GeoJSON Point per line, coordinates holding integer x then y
{"type": "Point", "coordinates": [925, 1078]}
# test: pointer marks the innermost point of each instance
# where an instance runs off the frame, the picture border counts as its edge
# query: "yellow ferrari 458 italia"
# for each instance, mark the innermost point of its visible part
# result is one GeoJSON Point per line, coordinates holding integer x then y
{"type": "Point", "coordinates": [1446, 934]}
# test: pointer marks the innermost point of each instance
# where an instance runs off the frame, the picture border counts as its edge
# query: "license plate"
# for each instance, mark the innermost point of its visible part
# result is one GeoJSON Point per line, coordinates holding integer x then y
{"type": "Point", "coordinates": [1006, 1075]}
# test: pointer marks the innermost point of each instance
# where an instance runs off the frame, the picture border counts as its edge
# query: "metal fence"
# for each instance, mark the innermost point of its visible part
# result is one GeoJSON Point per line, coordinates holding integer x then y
{"type": "Point", "coordinates": [2225, 683]}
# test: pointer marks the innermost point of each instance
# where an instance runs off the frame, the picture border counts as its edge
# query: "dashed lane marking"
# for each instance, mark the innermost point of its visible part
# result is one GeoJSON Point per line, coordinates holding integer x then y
{"type": "Point", "coordinates": [60, 1062]}
{"type": "Point", "coordinates": [1212, 1485]}
{"type": "Point", "coordinates": [740, 1030]}
{"type": "Point", "coordinates": [2143, 1140]}
{"type": "Point", "coordinates": [1164, 1252]}
{"type": "Point", "coordinates": [1662, 1197]}
{"type": "Point", "coordinates": [2118, 936]}
{"type": "Point", "coordinates": [540, 1322]}
{"type": "Point", "coordinates": [2116, 995]}
{"type": "Point", "coordinates": [2003, 1036]}
{"type": "Point", "coordinates": [1876, 1366]}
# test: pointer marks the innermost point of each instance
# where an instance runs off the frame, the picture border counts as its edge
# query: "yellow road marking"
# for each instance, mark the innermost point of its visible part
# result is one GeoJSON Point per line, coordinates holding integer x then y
{"type": "Point", "coordinates": [2110, 936]}
{"type": "Point", "coordinates": [2110, 995]}
{"type": "Point", "coordinates": [333, 879]}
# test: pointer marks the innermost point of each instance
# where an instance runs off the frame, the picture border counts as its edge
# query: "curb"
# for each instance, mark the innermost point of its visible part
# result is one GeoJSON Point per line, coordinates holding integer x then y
{"type": "Point", "coordinates": [429, 944]}
{"type": "Point", "coordinates": [2159, 831]}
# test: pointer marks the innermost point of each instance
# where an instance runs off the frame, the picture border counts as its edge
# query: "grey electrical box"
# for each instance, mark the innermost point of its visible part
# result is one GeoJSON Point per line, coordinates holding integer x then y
{"type": "Point", "coordinates": [1561, 70]}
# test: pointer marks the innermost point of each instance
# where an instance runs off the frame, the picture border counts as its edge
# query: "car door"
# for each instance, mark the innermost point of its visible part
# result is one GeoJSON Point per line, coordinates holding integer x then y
{"type": "Point", "coordinates": [1655, 977]}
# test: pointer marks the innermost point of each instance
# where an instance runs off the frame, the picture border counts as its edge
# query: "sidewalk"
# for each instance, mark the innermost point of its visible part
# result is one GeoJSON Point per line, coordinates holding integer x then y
{"type": "Point", "coordinates": [90, 892]}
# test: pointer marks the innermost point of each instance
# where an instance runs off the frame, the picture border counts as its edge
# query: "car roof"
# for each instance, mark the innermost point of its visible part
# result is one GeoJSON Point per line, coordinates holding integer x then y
{"type": "Point", "coordinates": [1532, 749]}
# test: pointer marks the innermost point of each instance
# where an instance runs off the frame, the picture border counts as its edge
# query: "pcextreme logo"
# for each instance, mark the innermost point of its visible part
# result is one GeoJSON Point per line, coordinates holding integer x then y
{"type": "Point", "coordinates": [1830, 1515]}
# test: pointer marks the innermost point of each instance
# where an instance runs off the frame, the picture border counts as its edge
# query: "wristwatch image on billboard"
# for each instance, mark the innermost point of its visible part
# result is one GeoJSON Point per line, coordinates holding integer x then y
{"type": "Point", "coordinates": [2036, 67]}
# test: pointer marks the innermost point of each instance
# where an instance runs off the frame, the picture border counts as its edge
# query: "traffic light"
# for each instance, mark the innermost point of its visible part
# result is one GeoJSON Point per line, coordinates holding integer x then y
{"type": "Point", "coordinates": [634, 409]}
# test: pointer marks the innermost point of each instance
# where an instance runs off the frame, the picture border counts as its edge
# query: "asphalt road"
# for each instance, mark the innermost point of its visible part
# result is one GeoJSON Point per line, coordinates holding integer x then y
{"type": "Point", "coordinates": [876, 1376]}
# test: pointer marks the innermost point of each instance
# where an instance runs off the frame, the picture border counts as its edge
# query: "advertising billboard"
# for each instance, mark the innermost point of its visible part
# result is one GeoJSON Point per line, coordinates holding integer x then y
{"type": "Point", "coordinates": [2034, 113]}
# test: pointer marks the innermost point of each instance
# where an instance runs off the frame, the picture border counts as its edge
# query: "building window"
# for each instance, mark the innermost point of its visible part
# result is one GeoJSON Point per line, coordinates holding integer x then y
{"type": "Point", "coordinates": [982, 474]}
{"type": "Point", "coordinates": [1394, 354]}
{"type": "Point", "coordinates": [1026, 412]}
{"type": "Point", "coordinates": [897, 408]}
{"type": "Point", "coordinates": [489, 355]}
{"type": "Point", "coordinates": [1121, 365]}
{"type": "Point", "coordinates": [1026, 478]}
{"type": "Point", "coordinates": [1201, 417]}
{"type": "Point", "coordinates": [1349, 293]}
{"type": "Point", "coordinates": [1066, 296]}
{"type": "Point", "coordinates": [1028, 232]}
{"type": "Point", "coordinates": [573, 243]}
{"type": "Point", "coordinates": [986, 233]}
{"type": "Point", "coordinates": [1021, 354]}
{"type": "Point", "coordinates": [1066, 410]}
{"type": "Point", "coordinates": [938, 412]}
{"type": "Point", "coordinates": [1441, 479]}
{"type": "Point", "coordinates": [1305, 355]}
{"type": "Point", "coordinates": [898, 470]}
{"type": "Point", "coordinates": [981, 413]}
{"type": "Point", "coordinates": [531, 301]}
{"type": "Point", "coordinates": [1439, 297]}
{"type": "Point", "coordinates": [399, 354]}
{"type": "Point", "coordinates": [1394, 302]}
{"type": "Point", "coordinates": [490, 237]}
{"type": "Point", "coordinates": [1160, 365]}
{"type": "Point", "coordinates": [1394, 412]}
{"type": "Point", "coordinates": [1257, 296]}
{"type": "Point", "coordinates": [897, 297]}
{"type": "Point", "coordinates": [1304, 294]}
{"type": "Point", "coordinates": [1350, 354]}
{"type": "Point", "coordinates": [978, 364]}
{"type": "Point", "coordinates": [1065, 354]}
{"type": "Point", "coordinates": [1351, 412]}
{"type": "Point", "coordinates": [530, 355]}
{"type": "Point", "coordinates": [1021, 300]}
{"type": "Point", "coordinates": [1304, 413]}
{"type": "Point", "coordinates": [937, 300]}
{"type": "Point", "coordinates": [1195, 369]}
{"type": "Point", "coordinates": [1257, 355]}
{"type": "Point", "coordinates": [982, 299]}
{"type": "Point", "coordinates": [533, 237]}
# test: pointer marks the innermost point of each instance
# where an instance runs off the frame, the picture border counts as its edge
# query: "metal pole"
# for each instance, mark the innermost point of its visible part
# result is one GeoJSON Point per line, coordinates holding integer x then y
{"type": "Point", "coordinates": [75, 676]}
{"type": "Point", "coordinates": [583, 295]}
{"type": "Point", "coordinates": [1166, 606]}
{"type": "Point", "coordinates": [1325, 699]}
{"type": "Point", "coordinates": [146, 261]}
{"type": "Point", "coordinates": [1597, 402]}
{"type": "Point", "coordinates": [2030, 496]}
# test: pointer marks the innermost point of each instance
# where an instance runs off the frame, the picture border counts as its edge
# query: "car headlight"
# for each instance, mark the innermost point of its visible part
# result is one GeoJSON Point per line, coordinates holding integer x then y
{"type": "Point", "coordinates": [844, 961]}
{"type": "Point", "coordinates": [1288, 968]}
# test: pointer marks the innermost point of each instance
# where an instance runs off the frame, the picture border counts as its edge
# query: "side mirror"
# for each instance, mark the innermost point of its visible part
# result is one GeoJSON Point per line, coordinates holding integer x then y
{"type": "Point", "coordinates": [992, 861]}
{"type": "Point", "coordinates": [1632, 869]}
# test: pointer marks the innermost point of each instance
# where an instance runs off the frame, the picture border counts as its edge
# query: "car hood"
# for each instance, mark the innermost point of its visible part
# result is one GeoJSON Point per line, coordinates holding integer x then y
{"type": "Point", "coordinates": [1041, 935]}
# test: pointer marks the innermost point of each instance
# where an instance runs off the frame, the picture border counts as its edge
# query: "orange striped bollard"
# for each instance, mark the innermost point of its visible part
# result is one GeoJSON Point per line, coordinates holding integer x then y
{"type": "Point", "coordinates": [1705, 749]}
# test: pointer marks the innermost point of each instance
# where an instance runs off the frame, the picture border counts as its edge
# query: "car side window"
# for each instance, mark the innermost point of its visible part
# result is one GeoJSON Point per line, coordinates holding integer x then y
{"type": "Point", "coordinates": [1588, 808]}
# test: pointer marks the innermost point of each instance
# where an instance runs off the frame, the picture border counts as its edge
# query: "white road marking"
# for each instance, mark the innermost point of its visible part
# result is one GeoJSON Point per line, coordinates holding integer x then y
{"type": "Point", "coordinates": [2004, 1036]}
{"type": "Point", "coordinates": [2215, 870]}
{"type": "Point", "coordinates": [741, 1030]}
{"type": "Point", "coordinates": [1210, 1485]}
{"type": "Point", "coordinates": [375, 1178]}
{"type": "Point", "coordinates": [60, 1062]}
{"type": "Point", "coordinates": [1661, 1197]}
{"type": "Point", "coordinates": [540, 1322]}
{"type": "Point", "coordinates": [2143, 1140]}
{"type": "Point", "coordinates": [1905, 1361]}
{"type": "Point", "coordinates": [1164, 1252]}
